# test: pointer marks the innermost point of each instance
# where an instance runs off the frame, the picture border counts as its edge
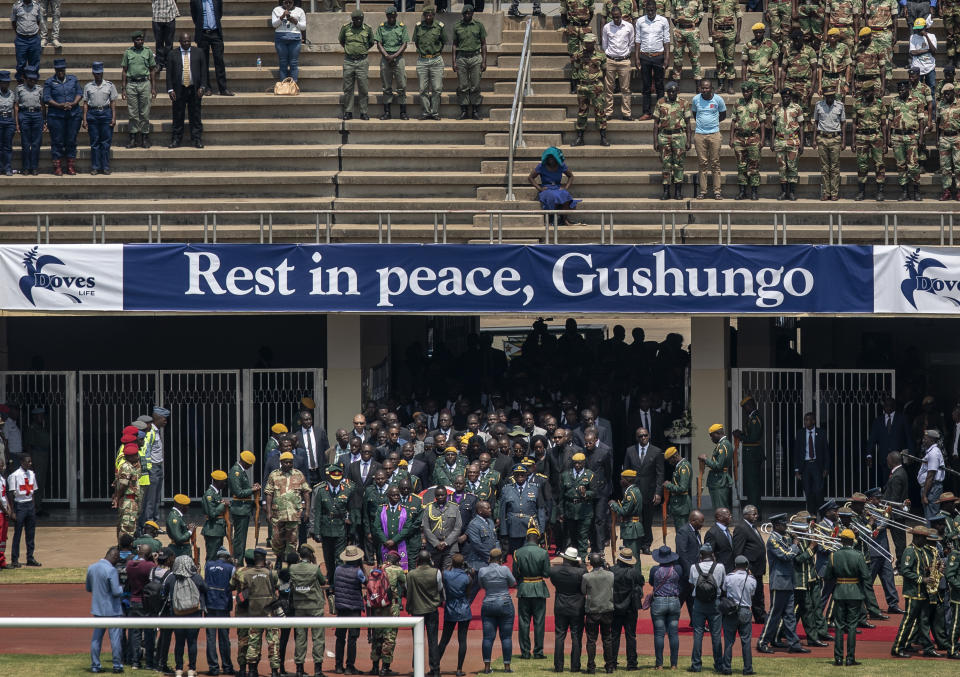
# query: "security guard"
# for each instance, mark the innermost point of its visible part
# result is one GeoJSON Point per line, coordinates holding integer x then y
{"type": "Point", "coordinates": [719, 481]}
{"type": "Point", "coordinates": [331, 515]}
{"type": "Point", "coordinates": [178, 530]}
{"type": "Point", "coordinates": [848, 568]}
{"type": "Point", "coordinates": [62, 94]}
{"type": "Point", "coordinates": [469, 61]}
{"type": "Point", "coordinates": [214, 507]}
{"type": "Point", "coordinates": [356, 38]}
{"type": "Point", "coordinates": [948, 143]}
{"type": "Point", "coordinates": [28, 116]}
{"type": "Point", "coordinates": [630, 511]}
{"type": "Point", "coordinates": [429, 38]}
{"type": "Point", "coordinates": [7, 125]}
{"type": "Point", "coordinates": [678, 486]}
{"type": "Point", "coordinates": [751, 437]}
{"type": "Point", "coordinates": [531, 565]}
{"type": "Point", "coordinates": [99, 118]}
{"type": "Point", "coordinates": [578, 492]}
{"type": "Point", "coordinates": [672, 138]}
{"type": "Point", "coordinates": [522, 506]}
{"type": "Point", "coordinates": [391, 39]}
{"type": "Point", "coordinates": [241, 501]}
{"type": "Point", "coordinates": [869, 139]}
{"type": "Point", "coordinates": [138, 88]}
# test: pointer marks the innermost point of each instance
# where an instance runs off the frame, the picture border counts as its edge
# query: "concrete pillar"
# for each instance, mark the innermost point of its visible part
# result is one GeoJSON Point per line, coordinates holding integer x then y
{"type": "Point", "coordinates": [709, 372]}
{"type": "Point", "coordinates": [344, 370]}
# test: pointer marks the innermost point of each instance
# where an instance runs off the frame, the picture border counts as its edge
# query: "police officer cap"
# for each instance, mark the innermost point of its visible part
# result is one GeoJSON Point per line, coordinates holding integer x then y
{"type": "Point", "coordinates": [391, 10]}
{"type": "Point", "coordinates": [589, 37]}
{"type": "Point", "coordinates": [829, 505]}
{"type": "Point", "coordinates": [873, 493]}
{"type": "Point", "coordinates": [741, 561]}
{"type": "Point", "coordinates": [97, 67]}
{"type": "Point", "coordinates": [139, 425]}
{"type": "Point", "coordinates": [260, 552]}
{"type": "Point", "coordinates": [59, 63]}
{"type": "Point", "coordinates": [520, 467]}
{"type": "Point", "coordinates": [467, 8]}
{"type": "Point", "coordinates": [4, 76]}
{"type": "Point", "coordinates": [672, 85]}
{"type": "Point", "coordinates": [914, 70]}
{"type": "Point", "coordinates": [31, 72]}
{"type": "Point", "coordinates": [949, 68]}
{"type": "Point", "coordinates": [136, 34]}
{"type": "Point", "coordinates": [781, 517]}
{"type": "Point", "coordinates": [356, 14]}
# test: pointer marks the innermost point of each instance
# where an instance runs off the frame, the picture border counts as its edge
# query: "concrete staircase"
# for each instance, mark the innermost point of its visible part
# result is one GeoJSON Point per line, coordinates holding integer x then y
{"type": "Point", "coordinates": [267, 153]}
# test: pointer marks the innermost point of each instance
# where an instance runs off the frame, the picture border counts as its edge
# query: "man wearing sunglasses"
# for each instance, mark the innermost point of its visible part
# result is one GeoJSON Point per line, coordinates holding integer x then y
{"type": "Point", "coordinates": [647, 460]}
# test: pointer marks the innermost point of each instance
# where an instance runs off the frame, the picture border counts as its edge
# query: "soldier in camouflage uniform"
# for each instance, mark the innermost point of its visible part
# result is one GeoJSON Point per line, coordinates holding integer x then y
{"type": "Point", "coordinates": [778, 15]}
{"type": "Point", "coordinates": [628, 10]}
{"type": "Point", "coordinates": [286, 492]}
{"type": "Point", "coordinates": [950, 13]}
{"type": "Point", "coordinates": [259, 585]}
{"type": "Point", "coordinates": [905, 124]}
{"type": "Point", "coordinates": [746, 140]}
{"type": "Point", "coordinates": [949, 77]}
{"type": "Point", "coordinates": [576, 15]}
{"type": "Point", "coordinates": [868, 60]}
{"type": "Point", "coordinates": [881, 18]}
{"type": "Point", "coordinates": [589, 66]}
{"type": "Point", "coordinates": [385, 639]}
{"type": "Point", "coordinates": [724, 26]}
{"type": "Point", "coordinates": [810, 18]}
{"type": "Point", "coordinates": [835, 64]}
{"type": "Point", "coordinates": [672, 139]}
{"type": "Point", "coordinates": [948, 142]}
{"type": "Point", "coordinates": [844, 15]}
{"type": "Point", "coordinates": [129, 490]}
{"type": "Point", "coordinates": [760, 57]}
{"type": "Point", "coordinates": [800, 69]}
{"type": "Point", "coordinates": [787, 142]}
{"type": "Point", "coordinates": [869, 139]}
{"type": "Point", "coordinates": [686, 16]}
{"type": "Point", "coordinates": [920, 92]}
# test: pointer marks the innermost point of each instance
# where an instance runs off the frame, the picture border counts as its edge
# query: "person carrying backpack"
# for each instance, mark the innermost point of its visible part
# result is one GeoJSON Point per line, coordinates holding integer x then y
{"type": "Point", "coordinates": [386, 588]}
{"type": "Point", "coordinates": [155, 604]}
{"type": "Point", "coordinates": [706, 578]}
{"type": "Point", "coordinates": [138, 573]}
{"type": "Point", "coordinates": [185, 591]}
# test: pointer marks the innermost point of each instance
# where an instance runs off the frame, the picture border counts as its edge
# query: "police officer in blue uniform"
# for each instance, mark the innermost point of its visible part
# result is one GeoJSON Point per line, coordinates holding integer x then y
{"type": "Point", "coordinates": [28, 115]}
{"type": "Point", "coordinates": [7, 125]}
{"type": "Point", "coordinates": [62, 94]}
{"type": "Point", "coordinates": [522, 506]}
{"type": "Point", "coordinates": [99, 117]}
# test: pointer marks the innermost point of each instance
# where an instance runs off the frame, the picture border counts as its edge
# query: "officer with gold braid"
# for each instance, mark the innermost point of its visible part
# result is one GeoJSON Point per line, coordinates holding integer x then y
{"type": "Point", "coordinates": [849, 569]}
{"type": "Point", "coordinates": [915, 568]}
{"type": "Point", "coordinates": [720, 479]}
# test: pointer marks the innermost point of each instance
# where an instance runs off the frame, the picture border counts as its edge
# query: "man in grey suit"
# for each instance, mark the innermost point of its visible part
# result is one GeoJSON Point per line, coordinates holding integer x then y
{"type": "Point", "coordinates": [688, 544]}
{"type": "Point", "coordinates": [647, 460]}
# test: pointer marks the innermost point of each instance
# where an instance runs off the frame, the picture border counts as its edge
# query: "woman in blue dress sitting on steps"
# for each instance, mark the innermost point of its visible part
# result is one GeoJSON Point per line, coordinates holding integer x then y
{"type": "Point", "coordinates": [552, 193]}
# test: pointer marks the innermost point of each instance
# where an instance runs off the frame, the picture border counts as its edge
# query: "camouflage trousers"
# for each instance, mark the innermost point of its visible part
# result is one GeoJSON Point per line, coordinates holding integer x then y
{"type": "Point", "coordinates": [802, 93]}
{"type": "Point", "coordinates": [300, 641]}
{"type": "Point", "coordinates": [284, 536]}
{"type": "Point", "coordinates": [243, 642]}
{"type": "Point", "coordinates": [884, 38]}
{"type": "Point", "coordinates": [780, 18]}
{"type": "Point", "coordinates": [724, 48]}
{"type": "Point", "coordinates": [673, 151]}
{"type": "Point", "coordinates": [828, 147]}
{"type": "Point", "coordinates": [129, 512]}
{"type": "Point", "coordinates": [905, 152]}
{"type": "Point", "coordinates": [686, 40]}
{"type": "Point", "coordinates": [951, 23]}
{"type": "Point", "coordinates": [811, 22]}
{"type": "Point", "coordinates": [828, 81]}
{"type": "Point", "coordinates": [590, 98]}
{"type": "Point", "coordinates": [788, 152]}
{"type": "Point", "coordinates": [869, 148]}
{"type": "Point", "coordinates": [765, 89]}
{"type": "Point", "coordinates": [949, 147]}
{"type": "Point", "coordinates": [273, 648]}
{"type": "Point", "coordinates": [862, 81]}
{"type": "Point", "coordinates": [747, 151]}
{"type": "Point", "coordinates": [384, 639]}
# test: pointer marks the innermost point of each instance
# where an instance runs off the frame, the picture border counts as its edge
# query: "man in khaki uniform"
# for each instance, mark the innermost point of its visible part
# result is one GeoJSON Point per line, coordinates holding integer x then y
{"type": "Point", "coordinates": [469, 61]}
{"type": "Point", "coordinates": [429, 38]}
{"type": "Point", "coordinates": [391, 39]}
{"type": "Point", "coordinates": [356, 38]}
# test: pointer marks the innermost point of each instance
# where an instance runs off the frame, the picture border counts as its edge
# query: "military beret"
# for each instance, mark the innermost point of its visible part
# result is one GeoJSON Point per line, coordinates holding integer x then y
{"type": "Point", "coordinates": [218, 475]}
{"type": "Point", "coordinates": [429, 8]}
{"type": "Point", "coordinates": [139, 425]}
{"type": "Point", "coordinates": [356, 14]}
{"type": "Point", "coordinates": [259, 552]}
{"type": "Point", "coordinates": [181, 499]}
{"type": "Point", "coordinates": [146, 418]}
{"type": "Point", "coordinates": [533, 530]}
{"type": "Point", "coordinates": [833, 31]}
{"type": "Point", "coordinates": [130, 449]}
{"type": "Point", "coordinates": [672, 85]}
{"type": "Point", "coordinates": [248, 457]}
{"type": "Point", "coordinates": [391, 10]}
{"type": "Point", "coordinates": [286, 456]}
{"type": "Point", "coordinates": [670, 452]}
{"type": "Point", "coordinates": [716, 427]}
{"type": "Point", "coordinates": [130, 430]}
{"type": "Point", "coordinates": [136, 34]}
{"type": "Point", "coordinates": [248, 555]}
{"type": "Point", "coordinates": [278, 429]}
{"type": "Point", "coordinates": [308, 403]}
{"type": "Point", "coordinates": [451, 449]}
{"type": "Point", "coordinates": [127, 439]}
{"type": "Point", "coordinates": [848, 534]}
{"type": "Point", "coordinates": [746, 398]}
{"type": "Point", "coordinates": [628, 473]}
{"type": "Point", "coordinates": [579, 457]}
{"type": "Point", "coordinates": [865, 31]}
{"type": "Point", "coordinates": [758, 27]}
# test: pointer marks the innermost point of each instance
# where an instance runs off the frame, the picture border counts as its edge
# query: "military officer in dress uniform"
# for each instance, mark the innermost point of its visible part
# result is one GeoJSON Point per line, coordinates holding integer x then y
{"type": "Point", "coordinates": [99, 118]}
{"type": "Point", "coordinates": [679, 487]}
{"type": "Point", "coordinates": [441, 527]}
{"type": "Point", "coordinates": [214, 507]}
{"type": "Point", "coordinates": [849, 570]}
{"type": "Point", "coordinates": [391, 39]}
{"type": "Point", "coordinates": [28, 117]}
{"type": "Point", "coordinates": [578, 487]}
{"type": "Point", "coordinates": [915, 568]}
{"type": "Point", "coordinates": [374, 497]}
{"type": "Point", "coordinates": [781, 552]}
{"type": "Point", "coordinates": [531, 565]}
{"type": "Point", "coordinates": [522, 506]}
{"type": "Point", "coordinates": [469, 61]}
{"type": "Point", "coordinates": [178, 529]}
{"type": "Point", "coordinates": [719, 481]}
{"type": "Point", "coordinates": [751, 437]}
{"type": "Point", "coordinates": [287, 492]}
{"type": "Point", "coordinates": [630, 511]}
{"type": "Point", "coordinates": [331, 515]}
{"type": "Point", "coordinates": [241, 503]}
{"type": "Point", "coordinates": [62, 94]}
{"type": "Point", "coordinates": [7, 125]}
{"type": "Point", "coordinates": [356, 38]}
{"type": "Point", "coordinates": [149, 537]}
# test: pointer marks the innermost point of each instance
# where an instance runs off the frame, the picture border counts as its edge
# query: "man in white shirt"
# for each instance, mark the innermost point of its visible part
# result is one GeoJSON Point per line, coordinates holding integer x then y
{"type": "Point", "coordinates": [652, 55]}
{"type": "Point", "coordinates": [21, 485]}
{"type": "Point", "coordinates": [12, 432]}
{"type": "Point", "coordinates": [930, 476]}
{"type": "Point", "coordinates": [923, 47]}
{"type": "Point", "coordinates": [740, 586]}
{"type": "Point", "coordinates": [618, 40]}
{"type": "Point", "coordinates": [307, 439]}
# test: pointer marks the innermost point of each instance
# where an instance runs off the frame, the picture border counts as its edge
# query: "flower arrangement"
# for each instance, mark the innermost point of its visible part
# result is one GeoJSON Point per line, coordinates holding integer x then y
{"type": "Point", "coordinates": [682, 427]}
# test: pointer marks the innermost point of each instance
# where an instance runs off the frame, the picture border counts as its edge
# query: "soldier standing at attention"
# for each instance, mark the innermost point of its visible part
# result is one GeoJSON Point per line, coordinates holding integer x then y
{"type": "Point", "coordinates": [331, 515]}
{"type": "Point", "coordinates": [7, 125]}
{"type": "Point", "coordinates": [835, 65]}
{"type": "Point", "coordinates": [99, 118]}
{"type": "Point", "coordinates": [241, 503]}
{"type": "Point", "coordinates": [576, 16]}
{"type": "Point", "coordinates": [629, 511]}
{"type": "Point", "coordinates": [214, 506]}
{"type": "Point", "coordinates": [578, 492]}
{"type": "Point", "coordinates": [356, 38]}
{"type": "Point", "coordinates": [868, 61]}
{"type": "Point", "coordinates": [286, 494]}
{"type": "Point", "coordinates": [531, 565]}
{"type": "Point", "coordinates": [429, 38]}
{"type": "Point", "coordinates": [259, 585]}
{"type": "Point", "coordinates": [589, 66]}
{"type": "Point", "coordinates": [138, 88]}
{"type": "Point", "coordinates": [469, 61]}
{"type": "Point", "coordinates": [719, 481]}
{"type": "Point", "coordinates": [869, 139]}
{"type": "Point", "coordinates": [129, 492]}
{"type": "Point", "coordinates": [760, 61]}
{"type": "Point", "coordinates": [828, 140]}
{"type": "Point", "coordinates": [905, 124]}
{"type": "Point", "coordinates": [391, 39]}
{"type": "Point", "coordinates": [948, 143]}
{"type": "Point", "coordinates": [678, 486]}
{"type": "Point", "coordinates": [61, 95]}
{"type": "Point", "coordinates": [687, 16]}
{"type": "Point", "coordinates": [779, 14]}
{"type": "Point", "coordinates": [723, 26]}
{"type": "Point", "coordinates": [672, 139]}
{"type": "Point", "coordinates": [880, 17]}
{"type": "Point", "coordinates": [844, 15]}
{"type": "Point", "coordinates": [810, 18]}
{"type": "Point", "coordinates": [178, 530]}
{"type": "Point", "coordinates": [522, 506]}
{"type": "Point", "coordinates": [787, 142]}
{"type": "Point", "coordinates": [752, 458]}
{"type": "Point", "coordinates": [798, 72]}
{"type": "Point", "coordinates": [848, 568]}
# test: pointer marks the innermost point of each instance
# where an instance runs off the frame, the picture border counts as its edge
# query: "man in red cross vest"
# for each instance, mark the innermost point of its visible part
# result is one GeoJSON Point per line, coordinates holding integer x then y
{"type": "Point", "coordinates": [21, 485]}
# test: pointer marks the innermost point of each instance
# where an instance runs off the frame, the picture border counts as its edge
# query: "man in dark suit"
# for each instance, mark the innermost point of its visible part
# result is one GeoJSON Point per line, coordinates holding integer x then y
{"type": "Point", "coordinates": [361, 473]}
{"type": "Point", "coordinates": [647, 460]}
{"type": "Point", "coordinates": [897, 490]}
{"type": "Point", "coordinates": [688, 544]}
{"type": "Point", "coordinates": [646, 417]}
{"type": "Point", "coordinates": [748, 541]}
{"type": "Point", "coordinates": [186, 90]}
{"type": "Point", "coordinates": [720, 538]}
{"type": "Point", "coordinates": [445, 426]}
{"type": "Point", "coordinates": [812, 461]}
{"type": "Point", "coordinates": [589, 420]}
{"type": "Point", "coordinates": [600, 461]}
{"type": "Point", "coordinates": [889, 432]}
{"type": "Point", "coordinates": [208, 32]}
{"type": "Point", "coordinates": [313, 440]}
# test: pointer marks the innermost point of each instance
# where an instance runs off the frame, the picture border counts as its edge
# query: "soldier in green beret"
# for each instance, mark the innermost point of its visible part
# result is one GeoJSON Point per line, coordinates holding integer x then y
{"type": "Point", "coordinates": [138, 89]}
{"type": "Point", "coordinates": [469, 61]}
{"type": "Point", "coordinates": [356, 38]}
{"type": "Point", "coordinates": [391, 39]}
{"type": "Point", "coordinates": [429, 38]}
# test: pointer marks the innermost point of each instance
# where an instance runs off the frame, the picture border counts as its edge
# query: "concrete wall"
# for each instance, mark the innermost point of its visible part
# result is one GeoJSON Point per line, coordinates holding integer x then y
{"type": "Point", "coordinates": [323, 28]}
{"type": "Point", "coordinates": [709, 371]}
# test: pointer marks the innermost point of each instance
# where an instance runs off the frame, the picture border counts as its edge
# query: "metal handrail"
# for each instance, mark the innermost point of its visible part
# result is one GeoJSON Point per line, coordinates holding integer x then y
{"type": "Point", "coordinates": [520, 92]}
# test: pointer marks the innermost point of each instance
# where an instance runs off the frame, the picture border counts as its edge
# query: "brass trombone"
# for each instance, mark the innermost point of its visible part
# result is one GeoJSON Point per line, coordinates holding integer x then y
{"type": "Point", "coordinates": [884, 519]}
{"type": "Point", "coordinates": [900, 511]}
{"type": "Point", "coordinates": [867, 537]}
{"type": "Point", "coordinates": [800, 530]}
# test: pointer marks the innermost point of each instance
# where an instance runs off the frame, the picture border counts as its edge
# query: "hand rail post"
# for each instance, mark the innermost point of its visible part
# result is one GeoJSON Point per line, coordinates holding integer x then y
{"type": "Point", "coordinates": [329, 226]}
{"type": "Point", "coordinates": [47, 227]}
{"type": "Point", "coordinates": [521, 90]}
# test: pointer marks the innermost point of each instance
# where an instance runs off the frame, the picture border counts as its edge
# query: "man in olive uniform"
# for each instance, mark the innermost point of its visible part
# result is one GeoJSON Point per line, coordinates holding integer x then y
{"type": "Point", "coordinates": [672, 139]}
{"type": "Point", "coordinates": [948, 143]}
{"type": "Point", "coordinates": [746, 140]}
{"type": "Point", "coordinates": [178, 530]}
{"type": "Point", "coordinates": [414, 505]}
{"type": "Point", "coordinates": [869, 139]}
{"type": "Point", "coordinates": [906, 120]}
{"type": "Point", "coordinates": [847, 567]}
{"type": "Point", "coordinates": [469, 61]}
{"type": "Point", "coordinates": [810, 19]}
{"type": "Point", "coordinates": [244, 562]}
{"type": "Point", "coordinates": [950, 13]}
{"type": "Point", "coordinates": [331, 515]}
{"type": "Point", "coordinates": [129, 492]}
{"type": "Point", "coordinates": [308, 598]}
{"type": "Point", "coordinates": [787, 143]}
{"type": "Point", "coordinates": [215, 528]}
{"type": "Point", "coordinates": [915, 567]}
{"type": "Point", "coordinates": [723, 27]}
{"type": "Point", "coordinates": [578, 492]}
{"type": "Point", "coordinates": [356, 38]}
{"type": "Point", "coordinates": [449, 467]}
{"type": "Point", "coordinates": [868, 61]}
{"type": "Point", "coordinates": [778, 15]}
{"type": "Point", "coordinates": [576, 16]}
{"type": "Point", "coordinates": [589, 67]}
{"type": "Point", "coordinates": [629, 511]}
{"type": "Point", "coordinates": [286, 493]}
{"type": "Point", "coordinates": [391, 39]}
{"type": "Point", "coordinates": [844, 15]}
{"type": "Point", "coordinates": [799, 73]}
{"type": "Point", "coordinates": [807, 591]}
{"type": "Point", "coordinates": [679, 487]}
{"type": "Point", "coordinates": [836, 64]}
{"type": "Point", "coordinates": [880, 17]}
{"type": "Point", "coordinates": [761, 63]}
{"type": "Point", "coordinates": [687, 16]}
{"type": "Point", "coordinates": [241, 503]}
{"type": "Point", "coordinates": [531, 565]}
{"type": "Point", "coordinates": [751, 454]}
{"type": "Point", "coordinates": [259, 585]}
{"type": "Point", "coordinates": [138, 89]}
{"type": "Point", "coordinates": [719, 481]}
{"type": "Point", "coordinates": [522, 505]}
{"type": "Point", "coordinates": [429, 38]}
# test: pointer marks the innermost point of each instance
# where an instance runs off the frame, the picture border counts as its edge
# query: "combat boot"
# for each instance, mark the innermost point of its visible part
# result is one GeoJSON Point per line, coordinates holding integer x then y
{"type": "Point", "coordinates": [403, 112]}
{"type": "Point", "coordinates": [475, 113]}
{"type": "Point", "coordinates": [666, 192]}
{"type": "Point", "coordinates": [579, 140]}
{"type": "Point", "coordinates": [783, 192]}
{"type": "Point", "coordinates": [573, 86]}
{"type": "Point", "coordinates": [252, 670]}
{"type": "Point", "coordinates": [300, 672]}
{"type": "Point", "coordinates": [793, 191]}
{"type": "Point", "coordinates": [385, 670]}
{"type": "Point", "coordinates": [145, 140]}
{"type": "Point", "coordinates": [678, 191]}
{"type": "Point", "coordinates": [274, 672]}
{"type": "Point", "coordinates": [861, 191]}
{"type": "Point", "coordinates": [72, 169]}
{"type": "Point", "coordinates": [742, 193]}
{"type": "Point", "coordinates": [880, 196]}
{"type": "Point", "coordinates": [132, 140]}
{"type": "Point", "coordinates": [905, 193]}
{"type": "Point", "coordinates": [57, 169]}
{"type": "Point", "coordinates": [241, 670]}
{"type": "Point", "coordinates": [753, 193]}
{"type": "Point", "coordinates": [916, 191]}
{"type": "Point", "coordinates": [464, 113]}
{"type": "Point", "coordinates": [386, 112]}
{"type": "Point", "coordinates": [603, 138]}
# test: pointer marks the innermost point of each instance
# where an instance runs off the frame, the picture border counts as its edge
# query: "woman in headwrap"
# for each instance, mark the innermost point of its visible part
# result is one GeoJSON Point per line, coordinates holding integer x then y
{"type": "Point", "coordinates": [552, 193]}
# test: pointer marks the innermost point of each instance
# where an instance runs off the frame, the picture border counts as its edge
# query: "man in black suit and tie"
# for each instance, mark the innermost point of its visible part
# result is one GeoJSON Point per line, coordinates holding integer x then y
{"type": "Point", "coordinates": [748, 541]}
{"type": "Point", "coordinates": [445, 426]}
{"type": "Point", "coordinates": [811, 461]}
{"type": "Point", "coordinates": [600, 461]}
{"type": "Point", "coordinates": [646, 417]}
{"type": "Point", "coordinates": [889, 432]}
{"type": "Point", "coordinates": [186, 85]}
{"type": "Point", "coordinates": [313, 440]}
{"type": "Point", "coordinates": [361, 473]}
{"type": "Point", "coordinates": [720, 538]}
{"type": "Point", "coordinates": [207, 18]}
{"type": "Point", "coordinates": [897, 490]}
{"type": "Point", "coordinates": [688, 544]}
{"type": "Point", "coordinates": [647, 460]}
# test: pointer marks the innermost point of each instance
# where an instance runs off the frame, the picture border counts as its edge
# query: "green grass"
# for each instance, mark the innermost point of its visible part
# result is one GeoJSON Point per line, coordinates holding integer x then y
{"type": "Point", "coordinates": [66, 665]}
{"type": "Point", "coordinates": [42, 575]}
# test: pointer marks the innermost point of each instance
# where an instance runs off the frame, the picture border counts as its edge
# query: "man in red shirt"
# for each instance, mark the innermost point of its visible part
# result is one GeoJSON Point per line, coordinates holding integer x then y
{"type": "Point", "coordinates": [138, 573]}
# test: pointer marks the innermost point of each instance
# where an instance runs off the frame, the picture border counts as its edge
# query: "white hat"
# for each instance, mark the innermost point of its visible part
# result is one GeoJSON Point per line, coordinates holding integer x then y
{"type": "Point", "coordinates": [932, 434]}
{"type": "Point", "coordinates": [571, 554]}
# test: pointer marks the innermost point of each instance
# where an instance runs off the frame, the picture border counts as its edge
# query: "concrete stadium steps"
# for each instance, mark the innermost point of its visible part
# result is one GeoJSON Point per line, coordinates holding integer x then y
{"type": "Point", "coordinates": [445, 132]}
{"type": "Point", "coordinates": [226, 132]}
{"type": "Point", "coordinates": [255, 106]}
{"type": "Point", "coordinates": [132, 8]}
{"type": "Point", "coordinates": [77, 30]}
{"type": "Point", "coordinates": [245, 158]}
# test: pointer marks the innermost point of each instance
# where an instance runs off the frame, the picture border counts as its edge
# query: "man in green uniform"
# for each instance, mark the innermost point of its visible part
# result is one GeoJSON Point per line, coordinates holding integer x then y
{"type": "Point", "coordinates": [149, 537]}
{"type": "Point", "coordinates": [391, 39]}
{"type": "Point", "coordinates": [746, 140]}
{"type": "Point", "coordinates": [178, 530]}
{"type": "Point", "coordinates": [948, 143]}
{"type": "Point", "coordinates": [429, 38]}
{"type": "Point", "coordinates": [629, 511]}
{"type": "Point", "coordinates": [844, 15]}
{"type": "Point", "coordinates": [672, 139]}
{"type": "Point", "coordinates": [242, 498]}
{"type": "Point", "coordinates": [244, 562]}
{"type": "Point", "coordinates": [531, 564]}
{"type": "Point", "coordinates": [811, 611]}
{"type": "Point", "coordinates": [356, 38]}
{"type": "Point", "coordinates": [129, 492]}
{"type": "Point", "coordinates": [836, 64]}
{"type": "Point", "coordinates": [905, 124]}
{"type": "Point", "coordinates": [578, 492]}
{"type": "Point", "coordinates": [589, 67]}
{"type": "Point", "coordinates": [799, 73]}
{"type": "Point", "coordinates": [331, 516]}
{"type": "Point", "coordinates": [469, 61]}
{"type": "Point", "coordinates": [259, 585]}
{"type": "Point", "coordinates": [724, 26]}
{"type": "Point", "coordinates": [215, 528]}
{"type": "Point", "coordinates": [414, 505]}
{"type": "Point", "coordinates": [751, 454]}
{"type": "Point", "coordinates": [949, 78]}
{"type": "Point", "coordinates": [881, 18]}
{"type": "Point", "coordinates": [778, 15]}
{"type": "Point", "coordinates": [915, 567]}
{"type": "Point", "coordinates": [576, 16]}
{"type": "Point", "coordinates": [810, 18]}
{"type": "Point", "coordinates": [686, 16]}
{"type": "Point", "coordinates": [868, 61]}
{"type": "Point", "coordinates": [761, 58]}
{"type": "Point", "coordinates": [286, 493]}
{"type": "Point", "coordinates": [308, 598]}
{"type": "Point", "coordinates": [847, 567]}
{"type": "Point", "coordinates": [869, 139]}
{"type": "Point", "coordinates": [138, 89]}
{"type": "Point", "coordinates": [452, 465]}
{"type": "Point", "coordinates": [719, 481]}
{"type": "Point", "coordinates": [384, 640]}
{"type": "Point", "coordinates": [787, 143]}
{"type": "Point", "coordinates": [679, 487]}
{"type": "Point", "coordinates": [952, 575]}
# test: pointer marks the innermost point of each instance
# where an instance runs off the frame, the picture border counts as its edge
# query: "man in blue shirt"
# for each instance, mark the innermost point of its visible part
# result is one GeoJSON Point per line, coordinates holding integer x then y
{"type": "Point", "coordinates": [103, 583]}
{"type": "Point", "coordinates": [217, 573]}
{"type": "Point", "coordinates": [708, 110]}
{"type": "Point", "coordinates": [208, 34]}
